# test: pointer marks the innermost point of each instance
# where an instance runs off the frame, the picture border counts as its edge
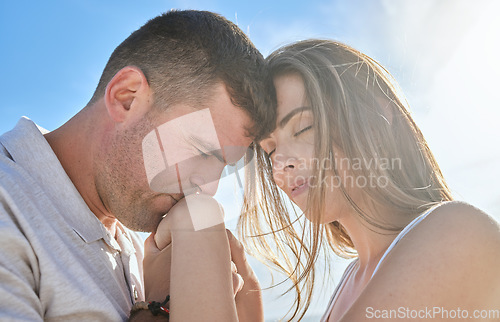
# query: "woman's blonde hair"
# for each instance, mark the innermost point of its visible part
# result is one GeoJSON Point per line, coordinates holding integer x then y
{"type": "Point", "coordinates": [359, 110]}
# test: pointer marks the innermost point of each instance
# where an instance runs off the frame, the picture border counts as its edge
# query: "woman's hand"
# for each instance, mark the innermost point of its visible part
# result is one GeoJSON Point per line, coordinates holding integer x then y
{"type": "Point", "coordinates": [160, 242]}
{"type": "Point", "coordinates": [194, 266]}
{"type": "Point", "coordinates": [249, 298]}
{"type": "Point", "coordinates": [192, 213]}
{"type": "Point", "coordinates": [156, 265]}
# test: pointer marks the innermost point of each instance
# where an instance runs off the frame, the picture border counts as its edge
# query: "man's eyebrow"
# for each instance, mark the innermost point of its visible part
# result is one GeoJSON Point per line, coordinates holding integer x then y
{"type": "Point", "coordinates": [289, 116]}
{"type": "Point", "coordinates": [209, 148]}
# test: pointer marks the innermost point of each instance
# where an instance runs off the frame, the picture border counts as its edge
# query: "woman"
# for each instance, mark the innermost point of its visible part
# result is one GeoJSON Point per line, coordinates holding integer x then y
{"type": "Point", "coordinates": [346, 151]}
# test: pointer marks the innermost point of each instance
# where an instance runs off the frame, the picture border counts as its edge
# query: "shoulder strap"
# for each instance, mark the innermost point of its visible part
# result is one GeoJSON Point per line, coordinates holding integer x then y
{"type": "Point", "coordinates": [403, 233]}
{"type": "Point", "coordinates": [347, 271]}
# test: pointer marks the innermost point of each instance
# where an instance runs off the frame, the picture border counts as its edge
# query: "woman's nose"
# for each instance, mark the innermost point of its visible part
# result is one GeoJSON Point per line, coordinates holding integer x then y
{"type": "Point", "coordinates": [283, 166]}
{"type": "Point", "coordinates": [284, 162]}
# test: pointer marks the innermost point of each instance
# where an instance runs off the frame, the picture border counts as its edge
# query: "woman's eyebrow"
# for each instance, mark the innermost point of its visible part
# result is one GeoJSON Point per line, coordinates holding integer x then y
{"type": "Point", "coordinates": [292, 113]}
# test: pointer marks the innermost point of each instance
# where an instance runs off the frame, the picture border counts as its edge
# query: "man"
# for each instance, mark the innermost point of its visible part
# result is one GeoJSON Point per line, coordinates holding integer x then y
{"type": "Point", "coordinates": [69, 197]}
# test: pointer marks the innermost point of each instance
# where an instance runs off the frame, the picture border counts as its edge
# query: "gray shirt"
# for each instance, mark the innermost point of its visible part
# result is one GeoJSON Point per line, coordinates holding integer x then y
{"type": "Point", "coordinates": [57, 260]}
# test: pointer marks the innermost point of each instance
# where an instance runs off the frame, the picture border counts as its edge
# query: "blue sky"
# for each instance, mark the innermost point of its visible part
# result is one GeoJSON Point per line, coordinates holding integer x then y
{"type": "Point", "coordinates": [442, 53]}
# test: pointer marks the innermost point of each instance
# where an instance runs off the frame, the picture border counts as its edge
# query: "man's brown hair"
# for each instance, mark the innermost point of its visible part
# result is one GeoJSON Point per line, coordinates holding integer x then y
{"type": "Point", "coordinates": [184, 53]}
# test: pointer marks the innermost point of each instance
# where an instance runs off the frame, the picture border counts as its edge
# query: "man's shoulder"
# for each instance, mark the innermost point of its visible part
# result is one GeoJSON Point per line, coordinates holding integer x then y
{"type": "Point", "coordinates": [17, 189]}
{"type": "Point", "coordinates": [15, 194]}
{"type": "Point", "coordinates": [4, 152]}
{"type": "Point", "coordinates": [12, 177]}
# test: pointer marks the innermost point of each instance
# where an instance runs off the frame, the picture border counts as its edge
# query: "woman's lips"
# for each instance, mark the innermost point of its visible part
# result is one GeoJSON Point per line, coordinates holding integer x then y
{"type": "Point", "coordinates": [297, 190]}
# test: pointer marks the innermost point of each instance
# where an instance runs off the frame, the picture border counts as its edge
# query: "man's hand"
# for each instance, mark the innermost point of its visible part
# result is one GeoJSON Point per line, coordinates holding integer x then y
{"type": "Point", "coordinates": [249, 298]}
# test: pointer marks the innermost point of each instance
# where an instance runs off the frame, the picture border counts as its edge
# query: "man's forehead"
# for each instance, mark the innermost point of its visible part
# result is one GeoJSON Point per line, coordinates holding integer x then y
{"type": "Point", "coordinates": [213, 128]}
{"type": "Point", "coordinates": [225, 132]}
{"type": "Point", "coordinates": [214, 111]}
{"type": "Point", "coordinates": [231, 120]}
{"type": "Point", "coordinates": [231, 134]}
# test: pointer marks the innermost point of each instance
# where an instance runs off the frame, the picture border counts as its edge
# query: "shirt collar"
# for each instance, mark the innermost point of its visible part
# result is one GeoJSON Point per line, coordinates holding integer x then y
{"type": "Point", "coordinates": [30, 150]}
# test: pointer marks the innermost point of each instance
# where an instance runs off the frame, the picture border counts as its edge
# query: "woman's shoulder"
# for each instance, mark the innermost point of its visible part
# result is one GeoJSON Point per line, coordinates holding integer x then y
{"type": "Point", "coordinates": [454, 231]}
{"type": "Point", "coordinates": [461, 210]}
{"type": "Point", "coordinates": [452, 219]}
{"type": "Point", "coordinates": [455, 237]}
{"type": "Point", "coordinates": [450, 259]}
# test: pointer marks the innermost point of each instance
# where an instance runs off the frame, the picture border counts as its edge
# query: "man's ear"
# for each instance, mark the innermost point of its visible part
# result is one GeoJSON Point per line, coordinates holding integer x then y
{"type": "Point", "coordinates": [127, 94]}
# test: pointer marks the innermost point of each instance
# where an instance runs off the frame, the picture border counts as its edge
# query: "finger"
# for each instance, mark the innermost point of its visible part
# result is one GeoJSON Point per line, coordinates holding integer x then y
{"type": "Point", "coordinates": [237, 254]}
{"type": "Point", "coordinates": [234, 244]}
{"type": "Point", "coordinates": [238, 283]}
{"type": "Point", "coordinates": [150, 245]}
{"type": "Point", "coordinates": [163, 235]}
{"type": "Point", "coordinates": [223, 213]}
{"type": "Point", "coordinates": [234, 269]}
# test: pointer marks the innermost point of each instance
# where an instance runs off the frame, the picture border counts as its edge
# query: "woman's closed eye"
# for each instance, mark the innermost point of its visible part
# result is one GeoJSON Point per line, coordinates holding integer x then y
{"type": "Point", "coordinates": [302, 131]}
{"type": "Point", "coordinates": [307, 128]}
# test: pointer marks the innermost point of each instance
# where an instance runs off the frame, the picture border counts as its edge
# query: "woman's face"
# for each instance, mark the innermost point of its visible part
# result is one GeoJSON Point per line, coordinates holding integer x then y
{"type": "Point", "coordinates": [291, 148]}
{"type": "Point", "coordinates": [291, 145]}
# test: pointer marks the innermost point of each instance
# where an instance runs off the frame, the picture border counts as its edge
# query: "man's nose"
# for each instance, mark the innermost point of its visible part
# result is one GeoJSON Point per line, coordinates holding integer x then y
{"type": "Point", "coordinates": [205, 183]}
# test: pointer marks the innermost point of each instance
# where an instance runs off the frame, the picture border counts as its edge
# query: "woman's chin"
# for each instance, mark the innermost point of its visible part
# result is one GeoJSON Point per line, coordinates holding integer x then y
{"type": "Point", "coordinates": [302, 208]}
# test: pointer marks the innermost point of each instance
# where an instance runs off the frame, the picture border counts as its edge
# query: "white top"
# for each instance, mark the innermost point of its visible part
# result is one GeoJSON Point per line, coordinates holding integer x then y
{"type": "Point", "coordinates": [349, 269]}
{"type": "Point", "coordinates": [57, 260]}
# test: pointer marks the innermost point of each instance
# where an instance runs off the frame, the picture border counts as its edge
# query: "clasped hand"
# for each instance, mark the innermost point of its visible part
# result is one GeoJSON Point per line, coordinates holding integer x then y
{"type": "Point", "coordinates": [190, 264]}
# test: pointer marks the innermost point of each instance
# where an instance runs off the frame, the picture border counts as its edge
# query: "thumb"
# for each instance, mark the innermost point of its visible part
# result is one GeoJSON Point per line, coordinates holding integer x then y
{"type": "Point", "coordinates": [150, 245]}
{"type": "Point", "coordinates": [238, 254]}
